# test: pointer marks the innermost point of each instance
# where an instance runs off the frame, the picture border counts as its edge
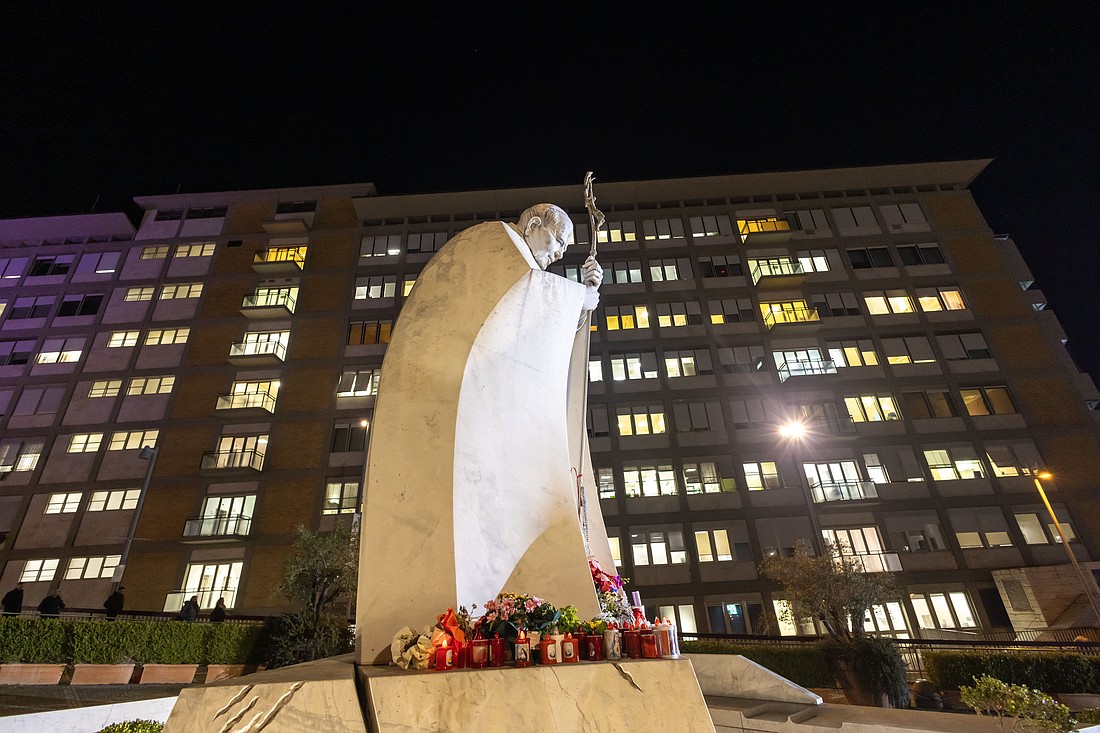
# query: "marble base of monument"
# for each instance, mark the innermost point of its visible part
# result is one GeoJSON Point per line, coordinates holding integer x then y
{"type": "Point", "coordinates": [628, 696]}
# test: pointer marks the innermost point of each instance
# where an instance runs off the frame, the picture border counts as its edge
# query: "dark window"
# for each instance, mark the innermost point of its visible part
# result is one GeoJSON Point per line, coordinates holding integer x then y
{"type": "Point", "coordinates": [80, 305]}
{"type": "Point", "coordinates": [920, 255]}
{"type": "Point", "coordinates": [296, 207]}
{"type": "Point", "coordinates": [369, 332]}
{"type": "Point", "coordinates": [348, 437]}
{"type": "Point", "coordinates": [207, 212]}
{"type": "Point", "coordinates": [168, 215]}
{"type": "Point", "coordinates": [928, 404]}
{"type": "Point", "coordinates": [51, 265]}
{"type": "Point", "coordinates": [870, 257]}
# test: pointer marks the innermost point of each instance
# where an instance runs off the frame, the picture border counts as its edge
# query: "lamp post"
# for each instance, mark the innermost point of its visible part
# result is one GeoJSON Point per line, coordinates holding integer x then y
{"type": "Point", "coordinates": [1081, 576]}
{"type": "Point", "coordinates": [794, 432]}
{"type": "Point", "coordinates": [147, 453]}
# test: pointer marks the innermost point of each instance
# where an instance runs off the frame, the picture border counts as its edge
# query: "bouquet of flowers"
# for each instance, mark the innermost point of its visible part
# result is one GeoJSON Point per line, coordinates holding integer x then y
{"type": "Point", "coordinates": [611, 591]}
{"type": "Point", "coordinates": [509, 612]}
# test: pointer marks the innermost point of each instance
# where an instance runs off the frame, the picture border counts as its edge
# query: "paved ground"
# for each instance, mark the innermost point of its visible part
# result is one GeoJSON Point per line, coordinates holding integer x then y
{"type": "Point", "coordinates": [19, 699]}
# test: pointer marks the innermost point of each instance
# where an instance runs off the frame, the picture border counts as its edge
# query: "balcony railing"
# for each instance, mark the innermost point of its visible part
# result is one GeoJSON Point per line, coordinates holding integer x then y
{"type": "Point", "coordinates": [207, 598]}
{"type": "Point", "coordinates": [764, 230]}
{"type": "Point", "coordinates": [804, 368]}
{"type": "Point", "coordinates": [217, 525]}
{"type": "Point", "coordinates": [258, 349]}
{"type": "Point", "coordinates": [275, 300]}
{"type": "Point", "coordinates": [775, 268]}
{"type": "Point", "coordinates": [292, 257]}
{"type": "Point", "coordinates": [831, 424]}
{"type": "Point", "coordinates": [786, 316]}
{"type": "Point", "coordinates": [233, 459]}
{"type": "Point", "coordinates": [843, 491]}
{"type": "Point", "coordinates": [247, 400]}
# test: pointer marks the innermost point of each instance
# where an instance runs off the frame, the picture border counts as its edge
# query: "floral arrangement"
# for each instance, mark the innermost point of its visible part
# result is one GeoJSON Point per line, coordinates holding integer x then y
{"type": "Point", "coordinates": [509, 612]}
{"type": "Point", "coordinates": [611, 591]}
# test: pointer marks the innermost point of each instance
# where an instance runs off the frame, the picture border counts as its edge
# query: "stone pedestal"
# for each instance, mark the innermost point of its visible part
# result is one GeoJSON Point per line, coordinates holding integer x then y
{"type": "Point", "coordinates": [335, 695]}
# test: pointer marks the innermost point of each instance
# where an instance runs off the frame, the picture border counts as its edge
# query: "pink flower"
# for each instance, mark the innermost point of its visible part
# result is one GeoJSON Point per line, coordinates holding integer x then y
{"type": "Point", "coordinates": [491, 605]}
{"type": "Point", "coordinates": [491, 617]}
{"type": "Point", "coordinates": [530, 605]}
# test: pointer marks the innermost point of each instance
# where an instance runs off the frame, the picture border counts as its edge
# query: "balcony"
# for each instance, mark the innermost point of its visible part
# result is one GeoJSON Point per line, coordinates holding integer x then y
{"type": "Point", "coordinates": [789, 316]}
{"type": "Point", "coordinates": [269, 304]}
{"type": "Point", "coordinates": [805, 368]}
{"type": "Point", "coordinates": [843, 491]}
{"type": "Point", "coordinates": [766, 230]}
{"type": "Point", "coordinates": [830, 425]}
{"type": "Point", "coordinates": [777, 274]}
{"type": "Point", "coordinates": [247, 402]}
{"type": "Point", "coordinates": [232, 462]}
{"type": "Point", "coordinates": [173, 602]}
{"type": "Point", "coordinates": [216, 527]}
{"type": "Point", "coordinates": [279, 260]}
{"type": "Point", "coordinates": [258, 353]}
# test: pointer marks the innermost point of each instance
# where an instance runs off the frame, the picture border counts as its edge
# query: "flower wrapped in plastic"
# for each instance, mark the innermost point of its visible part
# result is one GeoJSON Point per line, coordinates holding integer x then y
{"type": "Point", "coordinates": [410, 649]}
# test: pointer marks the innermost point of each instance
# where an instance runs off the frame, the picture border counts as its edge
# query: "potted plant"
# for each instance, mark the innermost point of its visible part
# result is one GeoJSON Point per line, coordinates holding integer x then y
{"type": "Point", "coordinates": [32, 651]}
{"type": "Point", "coordinates": [1028, 709]}
{"type": "Point", "coordinates": [834, 589]}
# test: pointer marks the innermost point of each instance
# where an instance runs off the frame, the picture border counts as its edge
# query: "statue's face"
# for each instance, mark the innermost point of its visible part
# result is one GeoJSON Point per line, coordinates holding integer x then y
{"type": "Point", "coordinates": [547, 243]}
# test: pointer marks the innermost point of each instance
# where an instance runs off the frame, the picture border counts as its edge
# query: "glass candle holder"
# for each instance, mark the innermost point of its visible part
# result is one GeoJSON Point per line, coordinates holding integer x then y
{"type": "Point", "coordinates": [479, 653]}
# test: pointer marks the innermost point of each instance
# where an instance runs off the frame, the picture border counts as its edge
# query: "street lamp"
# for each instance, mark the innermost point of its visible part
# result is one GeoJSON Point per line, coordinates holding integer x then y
{"type": "Point", "coordinates": [147, 453]}
{"type": "Point", "coordinates": [1081, 576]}
{"type": "Point", "coordinates": [795, 431]}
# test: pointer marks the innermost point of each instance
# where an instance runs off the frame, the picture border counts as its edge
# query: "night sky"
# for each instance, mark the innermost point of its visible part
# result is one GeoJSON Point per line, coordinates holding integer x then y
{"type": "Point", "coordinates": [98, 106]}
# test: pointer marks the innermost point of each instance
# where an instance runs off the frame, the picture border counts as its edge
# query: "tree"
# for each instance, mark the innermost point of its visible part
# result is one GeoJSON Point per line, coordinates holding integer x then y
{"type": "Point", "coordinates": [322, 568]}
{"type": "Point", "coordinates": [832, 588]}
{"type": "Point", "coordinates": [835, 589]}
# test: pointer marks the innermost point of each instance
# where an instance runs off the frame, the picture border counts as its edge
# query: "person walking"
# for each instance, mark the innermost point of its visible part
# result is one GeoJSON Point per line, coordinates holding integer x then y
{"type": "Point", "coordinates": [51, 605]}
{"type": "Point", "coordinates": [190, 610]}
{"type": "Point", "coordinates": [114, 603]}
{"type": "Point", "coordinates": [218, 614]}
{"type": "Point", "coordinates": [12, 603]}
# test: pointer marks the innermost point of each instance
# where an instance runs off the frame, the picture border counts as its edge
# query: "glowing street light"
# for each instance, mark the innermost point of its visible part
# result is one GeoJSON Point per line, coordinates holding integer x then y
{"type": "Point", "coordinates": [793, 429]}
{"type": "Point", "coordinates": [1081, 576]}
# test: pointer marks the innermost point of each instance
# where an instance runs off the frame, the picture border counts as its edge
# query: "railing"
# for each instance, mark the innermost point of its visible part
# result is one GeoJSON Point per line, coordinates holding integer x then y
{"type": "Point", "coordinates": [800, 368]}
{"type": "Point", "coordinates": [796, 315]}
{"type": "Point", "coordinates": [752, 226]}
{"type": "Point", "coordinates": [214, 460]}
{"type": "Point", "coordinates": [280, 254]}
{"type": "Point", "coordinates": [242, 400]}
{"type": "Point", "coordinates": [207, 598]}
{"type": "Point", "coordinates": [217, 525]}
{"type": "Point", "coordinates": [259, 348]}
{"type": "Point", "coordinates": [877, 562]}
{"type": "Point", "coordinates": [773, 268]}
{"type": "Point", "coordinates": [267, 300]}
{"type": "Point", "coordinates": [834, 424]}
{"type": "Point", "coordinates": [843, 491]}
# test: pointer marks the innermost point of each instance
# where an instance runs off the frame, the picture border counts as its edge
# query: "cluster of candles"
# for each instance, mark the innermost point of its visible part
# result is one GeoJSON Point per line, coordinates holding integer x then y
{"type": "Point", "coordinates": [636, 641]}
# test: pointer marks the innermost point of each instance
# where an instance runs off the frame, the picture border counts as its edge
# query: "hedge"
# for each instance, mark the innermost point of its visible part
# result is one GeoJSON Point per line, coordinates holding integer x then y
{"type": "Point", "coordinates": [35, 640]}
{"type": "Point", "coordinates": [1050, 672]}
{"type": "Point", "coordinates": [805, 665]}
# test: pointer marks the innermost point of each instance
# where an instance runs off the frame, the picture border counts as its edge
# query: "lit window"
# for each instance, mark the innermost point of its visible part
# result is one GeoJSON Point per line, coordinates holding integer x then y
{"type": "Point", "coordinates": [677, 315]}
{"type": "Point", "coordinates": [36, 571]}
{"type": "Point", "coordinates": [198, 249]}
{"type": "Point", "coordinates": [704, 478]}
{"type": "Point", "coordinates": [407, 285]}
{"type": "Point", "coordinates": [952, 464]}
{"type": "Point", "coordinates": [373, 288]}
{"type": "Point", "coordinates": [988, 401]}
{"type": "Point", "coordinates": [871, 407]}
{"type": "Point", "coordinates": [181, 291]}
{"type": "Point", "coordinates": [209, 582]}
{"type": "Point", "coordinates": [762, 224]}
{"type": "Point", "coordinates": [132, 439]}
{"type": "Point", "coordinates": [940, 299]}
{"type": "Point", "coordinates": [980, 527]}
{"type": "Point", "coordinates": [369, 332]}
{"type": "Point", "coordinates": [85, 442]}
{"type": "Point", "coordinates": [623, 272]}
{"type": "Point", "coordinates": [616, 232]}
{"type": "Point", "coordinates": [341, 497]}
{"type": "Point", "coordinates": [133, 295]}
{"type": "Point", "coordinates": [889, 301]}
{"type": "Point", "coordinates": [63, 503]}
{"type": "Point", "coordinates": [82, 568]}
{"type": "Point", "coordinates": [605, 479]}
{"type": "Point", "coordinates": [61, 351]}
{"type": "Point", "coordinates": [908, 350]}
{"type": "Point", "coordinates": [762, 475]}
{"type": "Point", "coordinates": [943, 610]}
{"type": "Point", "coordinates": [380, 246]}
{"type": "Point", "coordinates": [151, 385]}
{"type": "Point", "coordinates": [626, 317]}
{"type": "Point", "coordinates": [815, 260]}
{"type": "Point", "coordinates": [167, 336]}
{"type": "Point", "coordinates": [359, 382]}
{"type": "Point", "coordinates": [667, 270]}
{"type": "Point", "coordinates": [731, 310]}
{"type": "Point", "coordinates": [634, 366]}
{"type": "Point", "coordinates": [713, 545]}
{"type": "Point", "coordinates": [595, 370]}
{"type": "Point", "coordinates": [658, 548]}
{"type": "Point", "coordinates": [688, 363]}
{"type": "Point", "coordinates": [641, 420]}
{"type": "Point", "coordinates": [20, 454]}
{"type": "Point", "coordinates": [272, 297]}
{"type": "Point", "coordinates": [158, 252]}
{"type": "Point", "coordinates": [649, 481]}
{"type": "Point", "coordinates": [109, 501]}
{"type": "Point", "coordinates": [121, 339]}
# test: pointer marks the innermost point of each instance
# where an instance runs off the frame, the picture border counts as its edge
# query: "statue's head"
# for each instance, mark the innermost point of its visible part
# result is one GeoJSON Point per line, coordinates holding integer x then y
{"type": "Point", "coordinates": [548, 231]}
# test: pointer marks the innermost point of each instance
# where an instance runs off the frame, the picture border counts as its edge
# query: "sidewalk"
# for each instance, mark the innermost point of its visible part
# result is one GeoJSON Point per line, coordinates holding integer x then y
{"type": "Point", "coordinates": [20, 699]}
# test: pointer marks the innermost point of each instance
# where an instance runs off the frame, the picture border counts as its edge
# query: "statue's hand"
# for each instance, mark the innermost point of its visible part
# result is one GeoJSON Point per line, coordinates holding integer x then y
{"type": "Point", "coordinates": [592, 273]}
{"type": "Point", "coordinates": [591, 298]}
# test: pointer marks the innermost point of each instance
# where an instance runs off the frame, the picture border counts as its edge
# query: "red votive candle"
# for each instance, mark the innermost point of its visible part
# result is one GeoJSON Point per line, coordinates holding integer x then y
{"type": "Point", "coordinates": [444, 658]}
{"type": "Point", "coordinates": [523, 651]}
{"type": "Point", "coordinates": [496, 651]}
{"type": "Point", "coordinates": [479, 653]}
{"type": "Point", "coordinates": [633, 643]}
{"type": "Point", "coordinates": [649, 644]}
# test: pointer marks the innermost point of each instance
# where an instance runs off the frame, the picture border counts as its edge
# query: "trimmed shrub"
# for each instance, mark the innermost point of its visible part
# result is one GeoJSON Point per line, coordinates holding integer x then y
{"type": "Point", "coordinates": [107, 642]}
{"type": "Point", "coordinates": [233, 644]}
{"type": "Point", "coordinates": [294, 638]}
{"type": "Point", "coordinates": [172, 642]}
{"type": "Point", "coordinates": [133, 726]}
{"type": "Point", "coordinates": [805, 665]}
{"type": "Point", "coordinates": [33, 640]}
{"type": "Point", "coordinates": [1051, 672]}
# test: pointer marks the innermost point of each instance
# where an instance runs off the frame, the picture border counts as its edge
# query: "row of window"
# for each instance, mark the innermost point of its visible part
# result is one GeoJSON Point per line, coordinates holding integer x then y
{"type": "Point", "coordinates": [832, 480]}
